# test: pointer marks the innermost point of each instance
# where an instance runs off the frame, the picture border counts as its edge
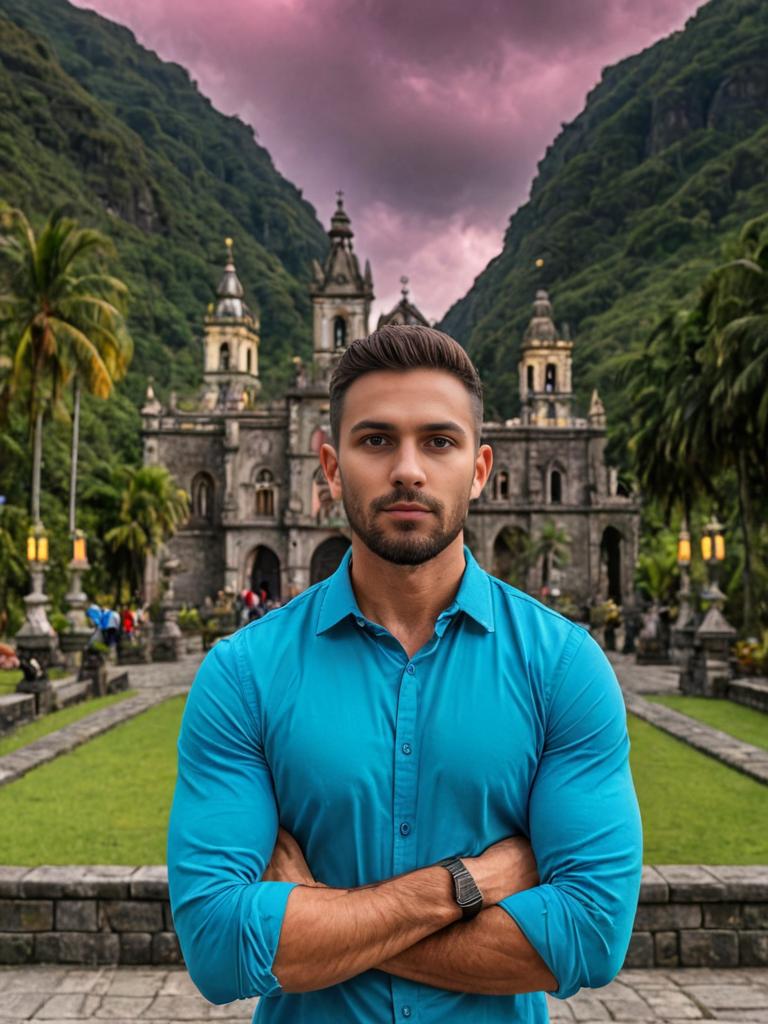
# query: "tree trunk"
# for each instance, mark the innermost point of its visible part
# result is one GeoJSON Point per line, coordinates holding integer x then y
{"type": "Point", "coordinates": [73, 461]}
{"type": "Point", "coordinates": [745, 512]}
{"type": "Point", "coordinates": [37, 461]}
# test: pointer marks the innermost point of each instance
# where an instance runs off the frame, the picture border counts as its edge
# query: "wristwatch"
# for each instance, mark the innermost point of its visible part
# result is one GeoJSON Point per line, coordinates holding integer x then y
{"type": "Point", "coordinates": [468, 896]}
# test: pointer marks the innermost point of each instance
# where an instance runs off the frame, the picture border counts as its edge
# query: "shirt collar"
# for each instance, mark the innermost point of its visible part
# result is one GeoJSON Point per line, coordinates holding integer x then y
{"type": "Point", "coordinates": [473, 596]}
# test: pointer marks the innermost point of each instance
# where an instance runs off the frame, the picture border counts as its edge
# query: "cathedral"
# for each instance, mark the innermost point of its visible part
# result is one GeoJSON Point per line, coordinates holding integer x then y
{"type": "Point", "coordinates": [261, 513]}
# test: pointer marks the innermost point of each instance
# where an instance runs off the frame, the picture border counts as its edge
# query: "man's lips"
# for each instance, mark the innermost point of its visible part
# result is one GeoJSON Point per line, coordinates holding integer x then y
{"type": "Point", "coordinates": [405, 511]}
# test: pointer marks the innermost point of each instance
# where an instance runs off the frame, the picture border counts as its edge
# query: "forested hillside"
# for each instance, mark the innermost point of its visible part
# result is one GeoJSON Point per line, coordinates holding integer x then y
{"type": "Point", "coordinates": [91, 119]}
{"type": "Point", "coordinates": [633, 201]}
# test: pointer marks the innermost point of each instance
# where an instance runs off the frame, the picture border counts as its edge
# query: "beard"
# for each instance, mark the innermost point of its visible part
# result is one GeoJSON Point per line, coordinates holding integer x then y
{"type": "Point", "coordinates": [404, 543]}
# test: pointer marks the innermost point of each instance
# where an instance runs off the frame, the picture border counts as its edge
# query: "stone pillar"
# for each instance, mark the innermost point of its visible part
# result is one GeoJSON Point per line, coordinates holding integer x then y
{"type": "Point", "coordinates": [168, 641]}
{"type": "Point", "coordinates": [715, 636]}
{"type": "Point", "coordinates": [75, 639]}
{"type": "Point", "coordinates": [37, 639]}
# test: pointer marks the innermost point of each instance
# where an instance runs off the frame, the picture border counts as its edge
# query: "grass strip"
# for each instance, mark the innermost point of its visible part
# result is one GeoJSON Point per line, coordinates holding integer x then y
{"type": "Point", "coordinates": [695, 809]}
{"type": "Point", "coordinates": [57, 720]}
{"type": "Point", "coordinates": [11, 677]}
{"type": "Point", "coordinates": [745, 724]}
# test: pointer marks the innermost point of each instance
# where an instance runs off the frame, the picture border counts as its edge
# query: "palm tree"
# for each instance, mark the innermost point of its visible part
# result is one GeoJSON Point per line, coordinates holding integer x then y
{"type": "Point", "coordinates": [734, 306]}
{"type": "Point", "coordinates": [552, 546]}
{"type": "Point", "coordinates": [152, 509]}
{"type": "Point", "coordinates": [66, 317]}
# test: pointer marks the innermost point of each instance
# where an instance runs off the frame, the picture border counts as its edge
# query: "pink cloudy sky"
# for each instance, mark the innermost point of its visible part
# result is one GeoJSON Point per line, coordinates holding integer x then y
{"type": "Point", "coordinates": [431, 116]}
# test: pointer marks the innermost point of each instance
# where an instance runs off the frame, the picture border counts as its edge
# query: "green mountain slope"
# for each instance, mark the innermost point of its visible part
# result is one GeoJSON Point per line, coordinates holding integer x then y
{"type": "Point", "coordinates": [90, 118]}
{"type": "Point", "coordinates": [633, 200]}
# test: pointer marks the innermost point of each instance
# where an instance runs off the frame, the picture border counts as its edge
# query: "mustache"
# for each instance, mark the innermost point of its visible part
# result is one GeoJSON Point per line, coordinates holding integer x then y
{"type": "Point", "coordinates": [405, 495]}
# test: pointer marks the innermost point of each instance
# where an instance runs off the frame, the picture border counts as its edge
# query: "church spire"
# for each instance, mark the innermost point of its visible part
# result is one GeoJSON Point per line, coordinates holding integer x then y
{"type": "Point", "coordinates": [341, 294]}
{"type": "Point", "coordinates": [545, 369]}
{"type": "Point", "coordinates": [230, 291]}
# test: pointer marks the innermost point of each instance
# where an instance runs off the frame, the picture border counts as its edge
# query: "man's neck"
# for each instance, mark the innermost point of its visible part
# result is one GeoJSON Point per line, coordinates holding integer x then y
{"type": "Point", "coordinates": [406, 599]}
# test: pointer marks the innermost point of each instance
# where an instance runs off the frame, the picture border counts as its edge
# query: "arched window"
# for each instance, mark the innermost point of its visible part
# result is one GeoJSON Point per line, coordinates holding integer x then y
{"type": "Point", "coordinates": [248, 360]}
{"type": "Point", "coordinates": [339, 332]}
{"type": "Point", "coordinates": [501, 486]}
{"type": "Point", "coordinates": [265, 494]}
{"type": "Point", "coordinates": [224, 356]}
{"type": "Point", "coordinates": [556, 487]}
{"type": "Point", "coordinates": [202, 497]}
{"type": "Point", "coordinates": [530, 378]}
{"type": "Point", "coordinates": [550, 378]}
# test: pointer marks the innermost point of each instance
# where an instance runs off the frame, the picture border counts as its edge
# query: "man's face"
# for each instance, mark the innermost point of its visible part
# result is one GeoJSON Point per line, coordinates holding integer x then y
{"type": "Point", "coordinates": [407, 463]}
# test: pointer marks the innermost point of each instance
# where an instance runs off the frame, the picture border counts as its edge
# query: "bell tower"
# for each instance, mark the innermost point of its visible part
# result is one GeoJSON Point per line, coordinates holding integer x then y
{"type": "Point", "coordinates": [231, 343]}
{"type": "Point", "coordinates": [341, 295]}
{"type": "Point", "coordinates": [546, 389]}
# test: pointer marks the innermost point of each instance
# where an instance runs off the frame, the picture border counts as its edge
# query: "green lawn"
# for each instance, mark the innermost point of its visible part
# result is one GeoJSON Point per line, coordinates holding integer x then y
{"type": "Point", "coordinates": [56, 719]}
{"type": "Point", "coordinates": [695, 810]}
{"type": "Point", "coordinates": [108, 801]}
{"type": "Point", "coordinates": [105, 803]}
{"type": "Point", "coordinates": [745, 724]}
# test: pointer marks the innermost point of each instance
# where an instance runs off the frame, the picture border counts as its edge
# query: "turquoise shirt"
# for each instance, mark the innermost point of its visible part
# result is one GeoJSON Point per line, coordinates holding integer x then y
{"type": "Point", "coordinates": [509, 721]}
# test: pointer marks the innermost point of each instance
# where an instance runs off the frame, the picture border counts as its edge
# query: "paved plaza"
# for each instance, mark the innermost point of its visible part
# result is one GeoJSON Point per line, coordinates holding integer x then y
{"type": "Point", "coordinates": [74, 995]}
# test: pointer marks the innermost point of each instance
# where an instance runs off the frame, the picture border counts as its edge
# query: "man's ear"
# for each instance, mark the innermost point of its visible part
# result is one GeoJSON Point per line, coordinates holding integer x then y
{"type": "Point", "coordinates": [329, 461]}
{"type": "Point", "coordinates": [483, 467]}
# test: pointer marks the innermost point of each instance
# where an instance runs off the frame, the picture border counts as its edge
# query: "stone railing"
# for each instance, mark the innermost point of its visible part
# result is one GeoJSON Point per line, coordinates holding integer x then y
{"type": "Point", "coordinates": [688, 916]}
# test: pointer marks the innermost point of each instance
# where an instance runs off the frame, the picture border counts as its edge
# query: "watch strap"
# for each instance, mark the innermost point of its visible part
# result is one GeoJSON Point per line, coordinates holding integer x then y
{"type": "Point", "coordinates": [468, 896]}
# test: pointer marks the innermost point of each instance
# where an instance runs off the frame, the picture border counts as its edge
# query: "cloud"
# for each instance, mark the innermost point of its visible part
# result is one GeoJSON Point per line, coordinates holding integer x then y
{"type": "Point", "coordinates": [430, 115]}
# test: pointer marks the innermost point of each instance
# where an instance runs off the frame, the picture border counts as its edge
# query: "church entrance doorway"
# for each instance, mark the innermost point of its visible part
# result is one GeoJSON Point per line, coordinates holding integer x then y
{"type": "Point", "coordinates": [610, 557]}
{"type": "Point", "coordinates": [326, 558]}
{"type": "Point", "coordinates": [265, 573]}
{"type": "Point", "coordinates": [511, 555]}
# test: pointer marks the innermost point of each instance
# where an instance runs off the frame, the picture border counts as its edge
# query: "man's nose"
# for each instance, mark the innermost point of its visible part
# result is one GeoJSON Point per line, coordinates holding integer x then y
{"type": "Point", "coordinates": [407, 469]}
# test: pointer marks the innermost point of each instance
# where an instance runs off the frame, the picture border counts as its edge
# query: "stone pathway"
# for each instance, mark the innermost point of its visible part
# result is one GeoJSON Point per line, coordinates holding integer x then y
{"type": "Point", "coordinates": [155, 683]}
{"type": "Point", "coordinates": [121, 994]}
{"type": "Point", "coordinates": [637, 679]}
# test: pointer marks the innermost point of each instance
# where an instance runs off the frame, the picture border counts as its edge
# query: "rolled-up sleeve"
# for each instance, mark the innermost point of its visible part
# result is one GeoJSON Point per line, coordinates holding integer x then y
{"type": "Point", "coordinates": [584, 829]}
{"type": "Point", "coordinates": [222, 831]}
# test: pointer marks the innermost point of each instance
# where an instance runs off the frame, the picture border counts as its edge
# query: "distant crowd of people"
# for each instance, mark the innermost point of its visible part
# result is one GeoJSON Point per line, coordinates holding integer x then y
{"type": "Point", "coordinates": [110, 624]}
{"type": "Point", "coordinates": [252, 604]}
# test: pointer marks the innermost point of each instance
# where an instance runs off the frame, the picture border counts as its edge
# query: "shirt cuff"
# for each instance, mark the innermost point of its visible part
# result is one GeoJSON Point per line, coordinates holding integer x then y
{"type": "Point", "coordinates": [273, 899]}
{"type": "Point", "coordinates": [530, 911]}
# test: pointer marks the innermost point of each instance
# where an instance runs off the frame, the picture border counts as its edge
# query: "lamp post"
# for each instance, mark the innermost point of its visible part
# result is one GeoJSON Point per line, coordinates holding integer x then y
{"type": "Point", "coordinates": [37, 637]}
{"type": "Point", "coordinates": [713, 554]}
{"type": "Point", "coordinates": [76, 637]}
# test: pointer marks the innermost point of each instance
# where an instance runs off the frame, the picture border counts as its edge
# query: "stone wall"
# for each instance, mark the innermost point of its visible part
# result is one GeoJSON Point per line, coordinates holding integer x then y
{"type": "Point", "coordinates": [688, 916]}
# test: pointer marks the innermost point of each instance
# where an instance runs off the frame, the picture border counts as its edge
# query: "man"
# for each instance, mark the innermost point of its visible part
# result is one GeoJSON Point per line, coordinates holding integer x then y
{"type": "Point", "coordinates": [361, 772]}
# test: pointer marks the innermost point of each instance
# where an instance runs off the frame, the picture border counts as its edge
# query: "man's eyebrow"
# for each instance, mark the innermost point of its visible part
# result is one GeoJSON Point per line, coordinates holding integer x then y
{"type": "Point", "coordinates": [445, 426]}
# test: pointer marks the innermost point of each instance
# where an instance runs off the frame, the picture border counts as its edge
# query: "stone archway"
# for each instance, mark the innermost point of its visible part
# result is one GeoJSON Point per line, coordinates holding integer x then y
{"type": "Point", "coordinates": [510, 550]}
{"type": "Point", "coordinates": [610, 562]}
{"type": "Point", "coordinates": [265, 572]}
{"type": "Point", "coordinates": [326, 558]}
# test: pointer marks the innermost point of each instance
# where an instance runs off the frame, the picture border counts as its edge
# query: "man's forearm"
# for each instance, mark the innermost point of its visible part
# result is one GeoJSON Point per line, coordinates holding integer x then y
{"type": "Point", "coordinates": [486, 956]}
{"type": "Point", "coordinates": [329, 935]}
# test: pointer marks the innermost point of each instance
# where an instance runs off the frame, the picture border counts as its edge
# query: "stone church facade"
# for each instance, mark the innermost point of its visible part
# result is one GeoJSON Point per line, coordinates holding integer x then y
{"type": "Point", "coordinates": [260, 508]}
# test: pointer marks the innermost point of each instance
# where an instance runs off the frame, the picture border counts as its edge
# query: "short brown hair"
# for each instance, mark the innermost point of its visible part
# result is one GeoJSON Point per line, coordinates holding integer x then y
{"type": "Point", "coordinates": [404, 347]}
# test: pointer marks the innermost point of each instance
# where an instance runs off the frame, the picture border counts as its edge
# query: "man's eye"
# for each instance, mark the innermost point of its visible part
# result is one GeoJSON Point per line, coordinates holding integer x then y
{"type": "Point", "coordinates": [375, 440]}
{"type": "Point", "coordinates": [442, 442]}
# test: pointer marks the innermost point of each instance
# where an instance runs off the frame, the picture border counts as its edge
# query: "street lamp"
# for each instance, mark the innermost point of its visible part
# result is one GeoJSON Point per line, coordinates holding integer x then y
{"type": "Point", "coordinates": [685, 614]}
{"type": "Point", "coordinates": [76, 637]}
{"type": "Point", "coordinates": [37, 637]}
{"type": "Point", "coordinates": [713, 553]}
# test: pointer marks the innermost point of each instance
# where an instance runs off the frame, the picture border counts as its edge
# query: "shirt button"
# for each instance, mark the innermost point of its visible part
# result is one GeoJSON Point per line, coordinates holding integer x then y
{"type": "Point", "coordinates": [405, 829]}
{"type": "Point", "coordinates": [406, 1011]}
{"type": "Point", "coordinates": [407, 748]}
{"type": "Point", "coordinates": [410, 670]}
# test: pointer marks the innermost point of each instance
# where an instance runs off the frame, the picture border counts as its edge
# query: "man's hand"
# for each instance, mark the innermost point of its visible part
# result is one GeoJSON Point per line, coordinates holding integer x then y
{"type": "Point", "coordinates": [288, 863]}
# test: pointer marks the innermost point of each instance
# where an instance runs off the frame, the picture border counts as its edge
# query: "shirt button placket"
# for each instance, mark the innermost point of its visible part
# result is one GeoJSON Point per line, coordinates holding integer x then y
{"type": "Point", "coordinates": [404, 813]}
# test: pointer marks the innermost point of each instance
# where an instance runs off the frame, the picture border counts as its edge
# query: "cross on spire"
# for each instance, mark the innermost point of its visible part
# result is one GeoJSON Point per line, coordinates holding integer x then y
{"type": "Point", "coordinates": [404, 289]}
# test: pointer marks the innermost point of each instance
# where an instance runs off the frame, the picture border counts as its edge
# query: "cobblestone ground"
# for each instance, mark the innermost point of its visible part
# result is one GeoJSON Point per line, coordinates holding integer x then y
{"type": "Point", "coordinates": [122, 994]}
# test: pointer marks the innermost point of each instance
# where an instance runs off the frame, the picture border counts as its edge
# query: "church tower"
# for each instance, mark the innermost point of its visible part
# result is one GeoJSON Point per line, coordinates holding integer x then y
{"type": "Point", "coordinates": [545, 370]}
{"type": "Point", "coordinates": [341, 295]}
{"type": "Point", "coordinates": [231, 343]}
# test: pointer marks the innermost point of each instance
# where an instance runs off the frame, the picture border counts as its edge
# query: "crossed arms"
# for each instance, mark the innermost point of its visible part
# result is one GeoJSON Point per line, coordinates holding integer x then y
{"type": "Point", "coordinates": [244, 932]}
{"type": "Point", "coordinates": [409, 926]}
